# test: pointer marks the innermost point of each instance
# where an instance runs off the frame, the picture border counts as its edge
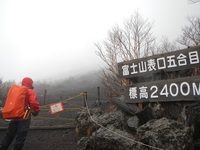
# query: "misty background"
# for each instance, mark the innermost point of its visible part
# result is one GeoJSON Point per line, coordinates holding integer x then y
{"type": "Point", "coordinates": [53, 42]}
{"type": "Point", "coordinates": [50, 40]}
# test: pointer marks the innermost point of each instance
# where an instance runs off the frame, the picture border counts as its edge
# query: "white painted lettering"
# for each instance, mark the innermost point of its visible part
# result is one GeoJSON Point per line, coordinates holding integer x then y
{"type": "Point", "coordinates": [182, 60]}
{"type": "Point", "coordinates": [125, 70]}
{"type": "Point", "coordinates": [176, 89]}
{"type": "Point", "coordinates": [153, 95]}
{"type": "Point", "coordinates": [171, 61]}
{"type": "Point", "coordinates": [134, 69]}
{"type": "Point", "coordinates": [187, 87]}
{"type": "Point", "coordinates": [143, 66]}
{"type": "Point", "coordinates": [159, 60]}
{"type": "Point", "coordinates": [195, 90]}
{"type": "Point", "coordinates": [194, 58]}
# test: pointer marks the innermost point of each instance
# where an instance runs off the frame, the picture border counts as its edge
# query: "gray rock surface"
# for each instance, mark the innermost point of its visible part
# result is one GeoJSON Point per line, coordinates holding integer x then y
{"type": "Point", "coordinates": [166, 134]}
{"type": "Point", "coordinates": [111, 131]}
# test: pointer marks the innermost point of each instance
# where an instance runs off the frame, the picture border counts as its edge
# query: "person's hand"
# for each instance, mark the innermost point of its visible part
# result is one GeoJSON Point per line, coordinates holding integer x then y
{"type": "Point", "coordinates": [34, 113]}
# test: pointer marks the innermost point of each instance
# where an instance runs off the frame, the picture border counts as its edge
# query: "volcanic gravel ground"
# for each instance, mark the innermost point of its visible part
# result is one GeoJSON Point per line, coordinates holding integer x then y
{"type": "Point", "coordinates": [62, 139]}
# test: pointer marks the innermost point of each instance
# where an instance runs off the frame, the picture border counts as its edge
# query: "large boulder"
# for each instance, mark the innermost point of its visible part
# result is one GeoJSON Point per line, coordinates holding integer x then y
{"type": "Point", "coordinates": [166, 134]}
{"type": "Point", "coordinates": [97, 117]}
{"type": "Point", "coordinates": [111, 138]}
{"type": "Point", "coordinates": [111, 132]}
{"type": "Point", "coordinates": [193, 118]}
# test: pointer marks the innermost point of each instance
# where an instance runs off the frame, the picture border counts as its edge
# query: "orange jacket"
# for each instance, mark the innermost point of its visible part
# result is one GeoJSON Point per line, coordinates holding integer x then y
{"type": "Point", "coordinates": [31, 97]}
{"type": "Point", "coordinates": [31, 101]}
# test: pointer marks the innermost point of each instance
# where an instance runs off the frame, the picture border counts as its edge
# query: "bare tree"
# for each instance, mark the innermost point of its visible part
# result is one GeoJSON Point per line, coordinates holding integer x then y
{"type": "Point", "coordinates": [166, 46]}
{"type": "Point", "coordinates": [4, 87]}
{"type": "Point", "coordinates": [193, 1]}
{"type": "Point", "coordinates": [133, 41]}
{"type": "Point", "coordinates": [191, 33]}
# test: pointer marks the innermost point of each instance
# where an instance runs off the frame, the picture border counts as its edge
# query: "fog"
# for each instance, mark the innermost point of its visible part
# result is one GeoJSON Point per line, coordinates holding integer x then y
{"type": "Point", "coordinates": [71, 87]}
{"type": "Point", "coordinates": [53, 40]}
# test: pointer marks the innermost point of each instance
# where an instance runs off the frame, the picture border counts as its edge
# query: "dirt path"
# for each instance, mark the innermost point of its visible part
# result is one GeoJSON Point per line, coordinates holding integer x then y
{"type": "Point", "coordinates": [50, 140]}
{"type": "Point", "coordinates": [53, 139]}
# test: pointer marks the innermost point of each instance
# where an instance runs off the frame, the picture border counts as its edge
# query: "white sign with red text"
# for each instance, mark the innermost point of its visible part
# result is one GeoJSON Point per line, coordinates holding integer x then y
{"type": "Point", "coordinates": [56, 107]}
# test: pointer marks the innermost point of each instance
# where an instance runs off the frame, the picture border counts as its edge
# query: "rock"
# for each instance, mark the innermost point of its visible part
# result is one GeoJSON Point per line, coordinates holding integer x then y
{"type": "Point", "coordinates": [166, 134]}
{"type": "Point", "coordinates": [145, 115]}
{"type": "Point", "coordinates": [193, 118]}
{"type": "Point", "coordinates": [133, 122]}
{"type": "Point", "coordinates": [110, 132]}
{"type": "Point", "coordinates": [111, 139]}
{"type": "Point", "coordinates": [84, 121]}
{"type": "Point", "coordinates": [97, 117]}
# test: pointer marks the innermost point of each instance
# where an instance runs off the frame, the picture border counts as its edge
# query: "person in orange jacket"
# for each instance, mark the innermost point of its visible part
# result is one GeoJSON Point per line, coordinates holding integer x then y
{"type": "Point", "coordinates": [19, 127]}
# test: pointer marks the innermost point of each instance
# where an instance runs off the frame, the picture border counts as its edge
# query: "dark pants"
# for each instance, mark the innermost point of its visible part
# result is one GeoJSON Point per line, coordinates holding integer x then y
{"type": "Point", "coordinates": [18, 129]}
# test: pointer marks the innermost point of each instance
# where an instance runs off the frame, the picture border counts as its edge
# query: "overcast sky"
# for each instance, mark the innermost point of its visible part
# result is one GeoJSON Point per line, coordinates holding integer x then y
{"type": "Point", "coordinates": [52, 39]}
